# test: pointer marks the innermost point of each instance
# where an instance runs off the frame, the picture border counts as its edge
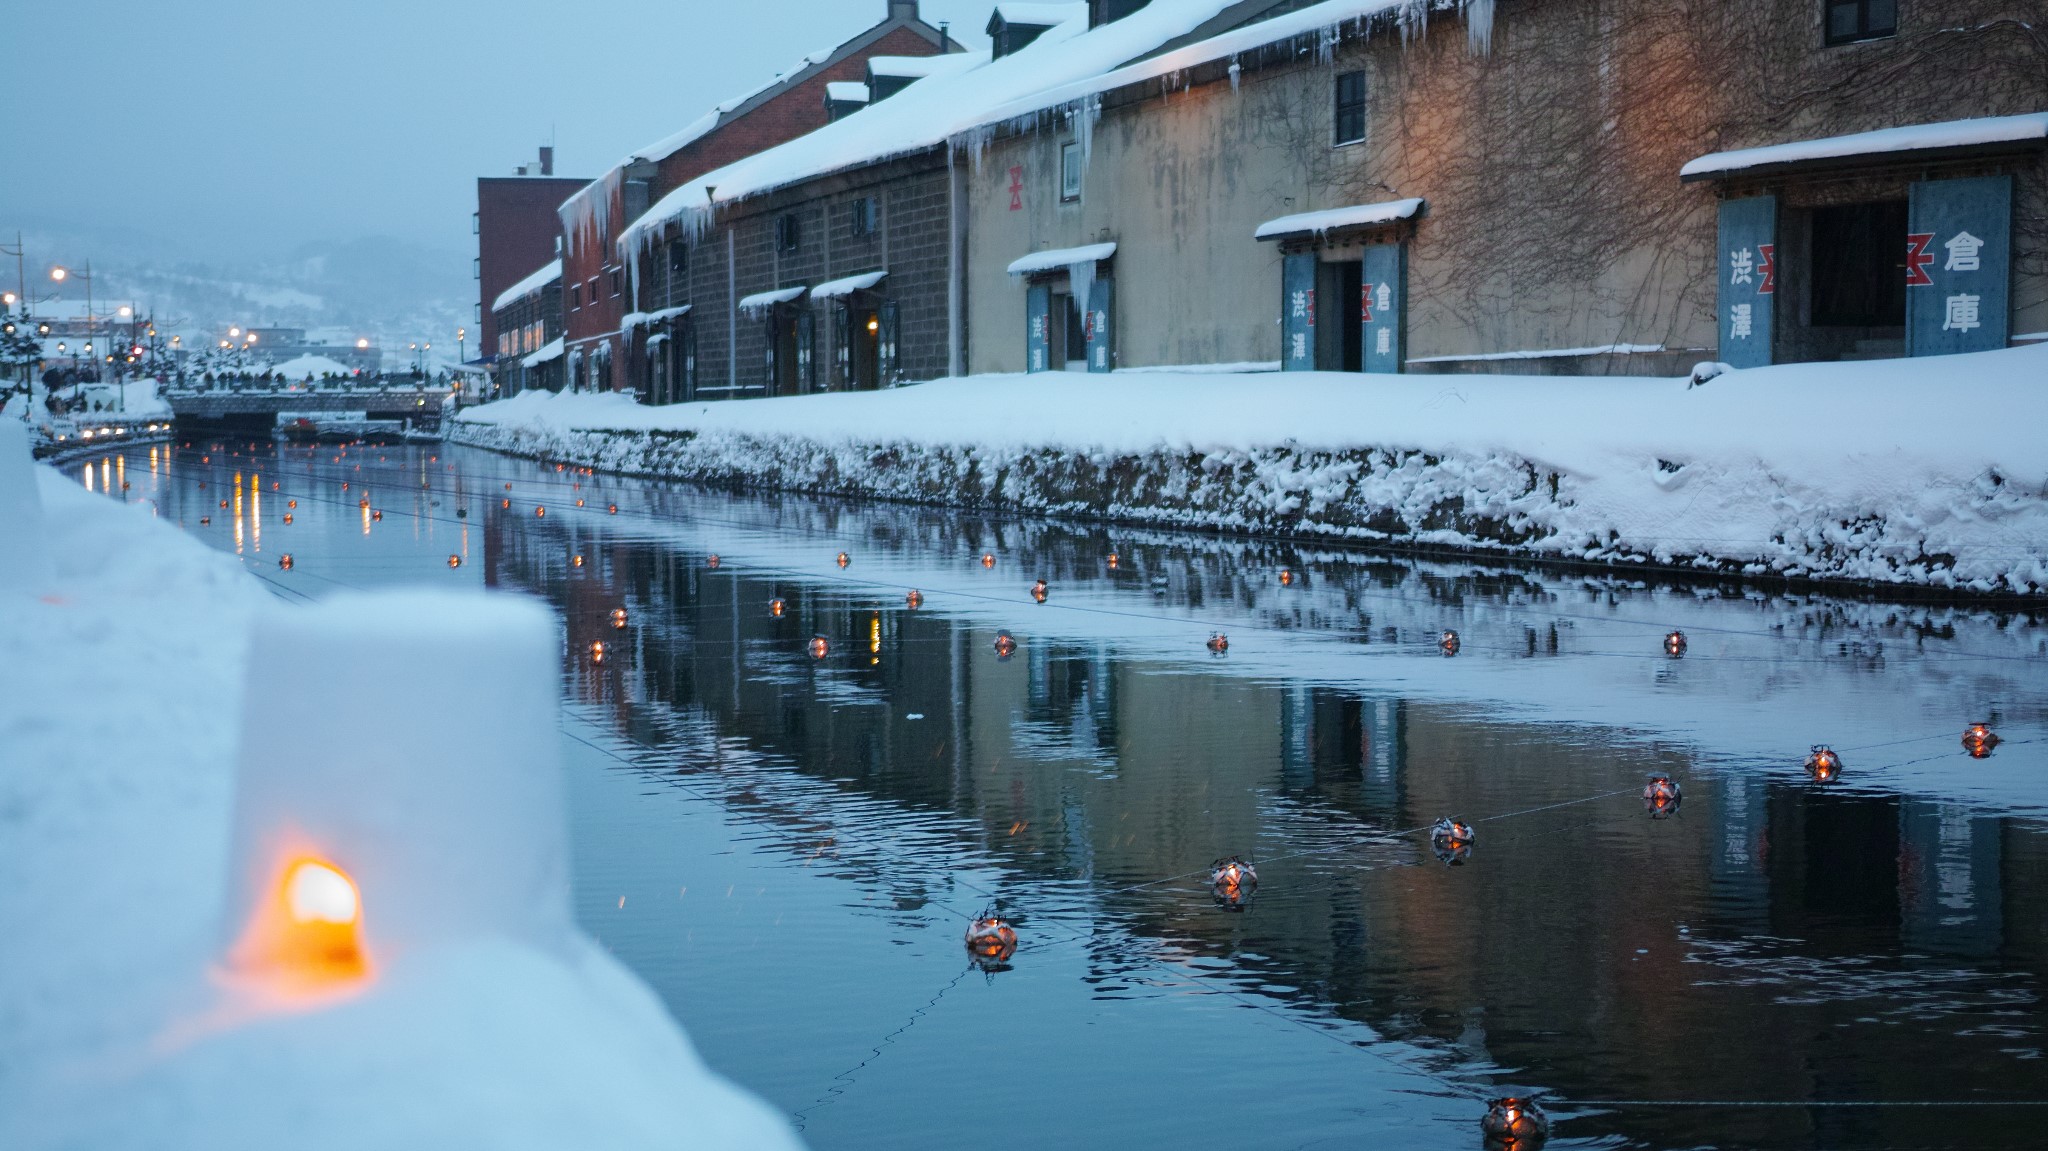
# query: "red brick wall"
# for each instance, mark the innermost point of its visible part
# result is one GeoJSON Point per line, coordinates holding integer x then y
{"type": "Point", "coordinates": [784, 116]}
{"type": "Point", "coordinates": [516, 229]}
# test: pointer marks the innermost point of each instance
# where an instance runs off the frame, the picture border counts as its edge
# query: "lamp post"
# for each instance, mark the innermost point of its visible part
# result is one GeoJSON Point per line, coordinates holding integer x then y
{"type": "Point", "coordinates": [60, 273]}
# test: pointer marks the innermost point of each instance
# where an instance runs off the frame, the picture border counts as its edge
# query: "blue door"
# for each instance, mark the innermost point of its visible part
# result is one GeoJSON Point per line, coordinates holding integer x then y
{"type": "Point", "coordinates": [1382, 307]}
{"type": "Point", "coordinates": [1958, 265]}
{"type": "Point", "coordinates": [1748, 273]}
{"type": "Point", "coordinates": [1298, 311]}
{"type": "Point", "coordinates": [1100, 357]}
{"type": "Point", "coordinates": [1037, 310]}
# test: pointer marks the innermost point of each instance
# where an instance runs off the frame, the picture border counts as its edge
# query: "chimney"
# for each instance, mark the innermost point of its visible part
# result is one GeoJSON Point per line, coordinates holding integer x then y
{"type": "Point", "coordinates": [547, 159]}
{"type": "Point", "coordinates": [902, 9]}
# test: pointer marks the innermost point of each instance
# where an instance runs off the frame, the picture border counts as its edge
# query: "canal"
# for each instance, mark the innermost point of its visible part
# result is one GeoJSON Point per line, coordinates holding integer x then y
{"type": "Point", "coordinates": [788, 846]}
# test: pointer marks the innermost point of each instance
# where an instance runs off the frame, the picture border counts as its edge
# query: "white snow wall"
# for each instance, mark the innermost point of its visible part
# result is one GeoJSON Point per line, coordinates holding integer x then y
{"type": "Point", "coordinates": [1482, 503]}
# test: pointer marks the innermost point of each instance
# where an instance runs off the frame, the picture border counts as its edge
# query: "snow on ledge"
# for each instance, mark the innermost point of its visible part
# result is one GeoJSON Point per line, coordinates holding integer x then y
{"type": "Point", "coordinates": [847, 91]}
{"type": "Point", "coordinates": [1333, 219]}
{"type": "Point", "coordinates": [540, 278]}
{"type": "Point", "coordinates": [1544, 353]}
{"type": "Point", "coordinates": [632, 320]}
{"type": "Point", "coordinates": [762, 301]}
{"type": "Point", "coordinates": [547, 351]}
{"type": "Point", "coordinates": [832, 289]}
{"type": "Point", "coordinates": [1054, 259]}
{"type": "Point", "coordinates": [1912, 138]}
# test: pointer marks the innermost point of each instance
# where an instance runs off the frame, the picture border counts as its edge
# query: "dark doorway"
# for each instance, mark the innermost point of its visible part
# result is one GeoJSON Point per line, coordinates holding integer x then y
{"type": "Point", "coordinates": [866, 325]}
{"type": "Point", "coordinates": [1067, 342]}
{"type": "Point", "coordinates": [1859, 278]}
{"type": "Point", "coordinates": [1340, 345]}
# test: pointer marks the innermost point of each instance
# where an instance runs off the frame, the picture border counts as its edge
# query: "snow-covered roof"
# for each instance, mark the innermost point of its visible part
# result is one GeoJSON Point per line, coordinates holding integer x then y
{"type": "Point", "coordinates": [832, 289]}
{"type": "Point", "coordinates": [539, 278]}
{"type": "Point", "coordinates": [847, 91]}
{"type": "Point", "coordinates": [1333, 219]}
{"type": "Point", "coordinates": [1053, 259]}
{"type": "Point", "coordinates": [761, 301]}
{"type": "Point", "coordinates": [964, 96]}
{"type": "Point", "coordinates": [908, 66]}
{"type": "Point", "coordinates": [1328, 17]}
{"type": "Point", "coordinates": [1038, 15]}
{"type": "Point", "coordinates": [309, 365]}
{"type": "Point", "coordinates": [546, 352]}
{"type": "Point", "coordinates": [1912, 138]}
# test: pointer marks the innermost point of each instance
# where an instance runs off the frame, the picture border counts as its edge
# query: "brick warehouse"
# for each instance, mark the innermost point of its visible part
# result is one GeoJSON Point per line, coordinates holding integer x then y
{"type": "Point", "coordinates": [516, 232]}
{"type": "Point", "coordinates": [594, 279]}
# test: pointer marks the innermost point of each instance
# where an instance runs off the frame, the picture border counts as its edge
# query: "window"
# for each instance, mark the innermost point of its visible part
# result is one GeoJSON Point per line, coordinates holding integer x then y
{"type": "Point", "coordinates": [1851, 20]}
{"type": "Point", "coordinates": [575, 296]}
{"type": "Point", "coordinates": [678, 262]}
{"type": "Point", "coordinates": [862, 216]}
{"type": "Point", "coordinates": [476, 267]}
{"type": "Point", "coordinates": [476, 223]}
{"type": "Point", "coordinates": [1070, 171]}
{"type": "Point", "coordinates": [1350, 108]}
{"type": "Point", "coordinates": [788, 233]}
{"type": "Point", "coordinates": [590, 291]}
{"type": "Point", "coordinates": [1857, 282]}
{"type": "Point", "coordinates": [618, 280]}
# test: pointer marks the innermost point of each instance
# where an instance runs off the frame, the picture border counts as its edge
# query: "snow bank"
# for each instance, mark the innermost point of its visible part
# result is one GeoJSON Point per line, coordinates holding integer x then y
{"type": "Point", "coordinates": [311, 366]}
{"type": "Point", "coordinates": [1810, 471]}
{"type": "Point", "coordinates": [134, 1010]}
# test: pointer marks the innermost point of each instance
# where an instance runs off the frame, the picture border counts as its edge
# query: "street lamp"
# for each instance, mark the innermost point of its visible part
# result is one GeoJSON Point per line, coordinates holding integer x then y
{"type": "Point", "coordinates": [60, 273]}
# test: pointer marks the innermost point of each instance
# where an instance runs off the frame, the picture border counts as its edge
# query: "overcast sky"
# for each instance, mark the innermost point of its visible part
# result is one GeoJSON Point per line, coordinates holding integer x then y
{"type": "Point", "coordinates": [244, 129]}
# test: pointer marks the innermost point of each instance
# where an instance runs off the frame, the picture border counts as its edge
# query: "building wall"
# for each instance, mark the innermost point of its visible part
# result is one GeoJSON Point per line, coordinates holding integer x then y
{"type": "Point", "coordinates": [529, 323]}
{"type": "Point", "coordinates": [1555, 217]}
{"type": "Point", "coordinates": [516, 229]}
{"type": "Point", "coordinates": [910, 242]}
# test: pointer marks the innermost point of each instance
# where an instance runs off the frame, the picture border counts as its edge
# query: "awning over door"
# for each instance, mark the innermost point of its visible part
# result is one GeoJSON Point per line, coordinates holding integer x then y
{"type": "Point", "coordinates": [1058, 259]}
{"type": "Point", "coordinates": [1304, 225]}
{"type": "Point", "coordinates": [1949, 139]}
{"type": "Point", "coordinates": [846, 286]}
{"type": "Point", "coordinates": [762, 301]}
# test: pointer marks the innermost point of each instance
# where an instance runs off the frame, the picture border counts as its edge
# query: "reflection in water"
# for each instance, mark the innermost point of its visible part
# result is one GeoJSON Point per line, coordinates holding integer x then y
{"type": "Point", "coordinates": [900, 760]}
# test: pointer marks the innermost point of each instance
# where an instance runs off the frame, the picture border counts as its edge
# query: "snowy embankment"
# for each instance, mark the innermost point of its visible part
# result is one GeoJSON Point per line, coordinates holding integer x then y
{"type": "Point", "coordinates": [1928, 473]}
{"type": "Point", "coordinates": [175, 749]}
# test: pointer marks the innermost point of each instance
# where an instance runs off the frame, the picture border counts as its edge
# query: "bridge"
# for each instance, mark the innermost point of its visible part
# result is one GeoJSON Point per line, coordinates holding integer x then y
{"type": "Point", "coordinates": [421, 405]}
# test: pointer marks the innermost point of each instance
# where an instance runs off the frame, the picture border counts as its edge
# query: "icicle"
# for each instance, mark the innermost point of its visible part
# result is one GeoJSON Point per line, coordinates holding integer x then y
{"type": "Point", "coordinates": [1235, 72]}
{"type": "Point", "coordinates": [1479, 25]}
{"type": "Point", "coordinates": [1081, 283]}
{"type": "Point", "coordinates": [1326, 43]}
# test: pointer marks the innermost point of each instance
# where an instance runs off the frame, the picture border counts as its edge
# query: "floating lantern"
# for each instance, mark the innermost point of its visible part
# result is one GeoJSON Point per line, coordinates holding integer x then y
{"type": "Point", "coordinates": [819, 647]}
{"type": "Point", "coordinates": [504, 503]}
{"type": "Point", "coordinates": [711, 561]}
{"type": "Point", "coordinates": [991, 941]}
{"type": "Point", "coordinates": [776, 607]}
{"type": "Point", "coordinates": [1823, 764]}
{"type": "Point", "coordinates": [1515, 1121]}
{"type": "Point", "coordinates": [363, 503]}
{"type": "Point", "coordinates": [1660, 797]}
{"type": "Point", "coordinates": [988, 559]}
{"type": "Point", "coordinates": [579, 503]}
{"type": "Point", "coordinates": [223, 503]}
{"type": "Point", "coordinates": [1286, 577]}
{"type": "Point", "coordinates": [618, 618]}
{"type": "Point", "coordinates": [914, 600]}
{"type": "Point", "coordinates": [597, 651]}
{"type": "Point", "coordinates": [1219, 643]}
{"type": "Point", "coordinates": [287, 517]}
{"type": "Point", "coordinates": [843, 559]}
{"type": "Point", "coordinates": [377, 516]}
{"type": "Point", "coordinates": [1452, 840]}
{"type": "Point", "coordinates": [539, 512]}
{"type": "Point", "coordinates": [1979, 739]}
{"type": "Point", "coordinates": [284, 562]}
{"type": "Point", "coordinates": [1674, 644]}
{"type": "Point", "coordinates": [454, 561]}
{"type": "Point", "coordinates": [1038, 591]}
{"type": "Point", "coordinates": [344, 485]}
{"type": "Point", "coordinates": [291, 503]}
{"type": "Point", "coordinates": [508, 487]}
{"type": "Point", "coordinates": [575, 561]}
{"type": "Point", "coordinates": [204, 520]}
{"type": "Point", "coordinates": [1448, 643]}
{"type": "Point", "coordinates": [1005, 646]}
{"type": "Point", "coordinates": [1112, 561]}
{"type": "Point", "coordinates": [612, 509]}
{"type": "Point", "coordinates": [1232, 881]}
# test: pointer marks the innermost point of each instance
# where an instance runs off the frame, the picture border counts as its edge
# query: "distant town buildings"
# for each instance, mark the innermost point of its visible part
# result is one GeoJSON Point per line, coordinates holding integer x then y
{"type": "Point", "coordinates": [1575, 187]}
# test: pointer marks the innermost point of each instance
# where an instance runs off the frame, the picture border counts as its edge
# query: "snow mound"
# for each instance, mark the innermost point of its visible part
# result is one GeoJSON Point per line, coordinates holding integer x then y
{"type": "Point", "coordinates": [153, 993]}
